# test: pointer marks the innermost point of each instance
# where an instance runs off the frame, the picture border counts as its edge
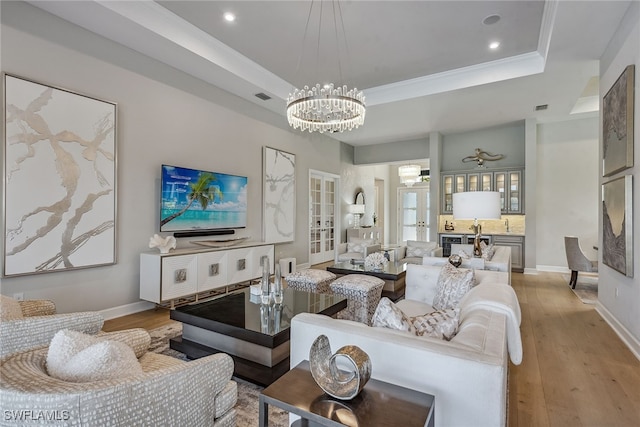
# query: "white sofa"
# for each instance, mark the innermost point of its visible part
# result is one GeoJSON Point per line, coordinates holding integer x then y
{"type": "Point", "coordinates": [414, 250]}
{"type": "Point", "coordinates": [467, 375]}
{"type": "Point", "coordinates": [501, 260]}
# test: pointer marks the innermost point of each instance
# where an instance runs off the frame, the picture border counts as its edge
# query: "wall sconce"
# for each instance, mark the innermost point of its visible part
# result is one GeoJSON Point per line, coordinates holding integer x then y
{"type": "Point", "coordinates": [357, 211]}
{"type": "Point", "coordinates": [409, 174]}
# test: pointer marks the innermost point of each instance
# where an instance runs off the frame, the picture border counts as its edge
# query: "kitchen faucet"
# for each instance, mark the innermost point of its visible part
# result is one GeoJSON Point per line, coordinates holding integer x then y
{"type": "Point", "coordinates": [506, 223]}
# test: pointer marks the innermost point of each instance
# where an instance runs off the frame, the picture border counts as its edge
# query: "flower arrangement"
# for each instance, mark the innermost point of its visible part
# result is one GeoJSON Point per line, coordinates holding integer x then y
{"type": "Point", "coordinates": [375, 260]}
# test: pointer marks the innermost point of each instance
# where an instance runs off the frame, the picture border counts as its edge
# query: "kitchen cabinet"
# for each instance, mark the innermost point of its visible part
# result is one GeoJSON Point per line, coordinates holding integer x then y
{"type": "Point", "coordinates": [508, 183]}
{"type": "Point", "coordinates": [517, 249]}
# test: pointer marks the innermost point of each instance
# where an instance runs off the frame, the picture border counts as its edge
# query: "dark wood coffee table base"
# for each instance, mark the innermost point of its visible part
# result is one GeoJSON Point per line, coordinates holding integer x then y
{"type": "Point", "coordinates": [378, 404]}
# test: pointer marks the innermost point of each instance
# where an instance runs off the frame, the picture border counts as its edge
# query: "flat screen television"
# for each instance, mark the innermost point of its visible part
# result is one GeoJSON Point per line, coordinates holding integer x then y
{"type": "Point", "coordinates": [198, 200]}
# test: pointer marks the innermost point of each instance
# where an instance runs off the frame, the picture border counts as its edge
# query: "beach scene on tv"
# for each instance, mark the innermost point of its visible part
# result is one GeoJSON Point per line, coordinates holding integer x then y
{"type": "Point", "coordinates": [201, 200]}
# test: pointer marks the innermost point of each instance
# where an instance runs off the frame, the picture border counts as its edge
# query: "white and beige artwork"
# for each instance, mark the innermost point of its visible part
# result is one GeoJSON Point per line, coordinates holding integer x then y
{"type": "Point", "coordinates": [279, 196]}
{"type": "Point", "coordinates": [60, 179]}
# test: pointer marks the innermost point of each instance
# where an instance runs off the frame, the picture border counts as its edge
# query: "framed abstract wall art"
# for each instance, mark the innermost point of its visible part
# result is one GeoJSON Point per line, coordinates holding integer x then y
{"type": "Point", "coordinates": [617, 227]}
{"type": "Point", "coordinates": [59, 179]}
{"type": "Point", "coordinates": [279, 196]}
{"type": "Point", "coordinates": [617, 124]}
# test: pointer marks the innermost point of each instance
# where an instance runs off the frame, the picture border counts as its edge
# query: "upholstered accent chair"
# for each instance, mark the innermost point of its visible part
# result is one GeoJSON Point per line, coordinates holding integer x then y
{"type": "Point", "coordinates": [577, 260]}
{"type": "Point", "coordinates": [166, 391]}
{"type": "Point", "coordinates": [357, 249]}
{"type": "Point", "coordinates": [32, 323]}
{"type": "Point", "coordinates": [415, 250]}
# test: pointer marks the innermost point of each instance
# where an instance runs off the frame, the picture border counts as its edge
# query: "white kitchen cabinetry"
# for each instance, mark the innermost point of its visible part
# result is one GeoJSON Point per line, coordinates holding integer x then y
{"type": "Point", "coordinates": [184, 272]}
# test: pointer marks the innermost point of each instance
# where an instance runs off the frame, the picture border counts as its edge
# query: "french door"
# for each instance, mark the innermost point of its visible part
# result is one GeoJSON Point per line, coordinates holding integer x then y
{"type": "Point", "coordinates": [322, 216]}
{"type": "Point", "coordinates": [413, 214]}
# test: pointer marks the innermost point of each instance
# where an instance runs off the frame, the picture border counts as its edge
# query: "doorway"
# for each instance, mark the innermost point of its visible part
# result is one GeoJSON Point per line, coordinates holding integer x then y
{"type": "Point", "coordinates": [323, 189]}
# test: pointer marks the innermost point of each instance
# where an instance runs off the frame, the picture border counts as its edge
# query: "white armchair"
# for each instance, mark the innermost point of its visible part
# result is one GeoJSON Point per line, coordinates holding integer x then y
{"type": "Point", "coordinates": [415, 250]}
{"type": "Point", "coordinates": [356, 249]}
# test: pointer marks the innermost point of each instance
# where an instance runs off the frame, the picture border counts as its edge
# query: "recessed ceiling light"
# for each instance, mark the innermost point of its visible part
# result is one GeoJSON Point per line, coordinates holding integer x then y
{"type": "Point", "coordinates": [491, 19]}
{"type": "Point", "coordinates": [229, 17]}
{"type": "Point", "coordinates": [494, 45]}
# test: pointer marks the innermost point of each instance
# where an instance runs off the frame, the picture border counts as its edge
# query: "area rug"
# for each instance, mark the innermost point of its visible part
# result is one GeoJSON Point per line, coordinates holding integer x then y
{"type": "Point", "coordinates": [248, 393]}
{"type": "Point", "coordinates": [586, 289]}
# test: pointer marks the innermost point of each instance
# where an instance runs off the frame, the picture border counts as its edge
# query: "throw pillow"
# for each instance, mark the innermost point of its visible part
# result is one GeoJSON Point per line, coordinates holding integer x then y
{"type": "Point", "coordinates": [463, 254]}
{"type": "Point", "coordinates": [488, 252]}
{"type": "Point", "coordinates": [414, 251]}
{"type": "Point", "coordinates": [441, 324]}
{"type": "Point", "coordinates": [355, 247]}
{"type": "Point", "coordinates": [388, 315]}
{"type": "Point", "coordinates": [453, 283]}
{"type": "Point", "coordinates": [77, 357]}
{"type": "Point", "coordinates": [9, 308]}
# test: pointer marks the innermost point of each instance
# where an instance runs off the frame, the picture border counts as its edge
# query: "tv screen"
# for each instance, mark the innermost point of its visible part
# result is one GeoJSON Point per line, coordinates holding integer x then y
{"type": "Point", "coordinates": [196, 200]}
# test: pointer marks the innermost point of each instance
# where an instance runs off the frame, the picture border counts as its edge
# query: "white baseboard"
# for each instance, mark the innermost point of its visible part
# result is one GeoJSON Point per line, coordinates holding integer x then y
{"type": "Point", "coordinates": [553, 268]}
{"type": "Point", "coordinates": [303, 266]}
{"type": "Point", "coordinates": [530, 271]}
{"type": "Point", "coordinates": [626, 337]}
{"type": "Point", "coordinates": [123, 310]}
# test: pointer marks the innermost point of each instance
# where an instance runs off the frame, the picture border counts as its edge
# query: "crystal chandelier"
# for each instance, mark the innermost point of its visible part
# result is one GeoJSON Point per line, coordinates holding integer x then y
{"type": "Point", "coordinates": [329, 107]}
{"type": "Point", "coordinates": [409, 174]}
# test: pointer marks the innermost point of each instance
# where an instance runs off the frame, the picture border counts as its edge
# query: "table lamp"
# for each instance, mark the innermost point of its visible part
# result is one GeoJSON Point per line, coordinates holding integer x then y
{"type": "Point", "coordinates": [476, 205]}
{"type": "Point", "coordinates": [357, 211]}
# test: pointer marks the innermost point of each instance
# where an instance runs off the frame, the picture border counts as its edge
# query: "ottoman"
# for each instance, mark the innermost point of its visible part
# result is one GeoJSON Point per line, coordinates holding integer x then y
{"type": "Point", "coordinates": [311, 280]}
{"type": "Point", "coordinates": [363, 294]}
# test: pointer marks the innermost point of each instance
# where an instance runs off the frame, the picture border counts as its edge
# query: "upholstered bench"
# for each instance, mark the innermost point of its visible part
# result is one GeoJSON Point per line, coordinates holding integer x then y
{"type": "Point", "coordinates": [311, 280]}
{"type": "Point", "coordinates": [363, 294]}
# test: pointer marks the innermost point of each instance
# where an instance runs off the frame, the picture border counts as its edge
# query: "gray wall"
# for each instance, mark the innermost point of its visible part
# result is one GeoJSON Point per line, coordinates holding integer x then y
{"type": "Point", "coordinates": [507, 140]}
{"type": "Point", "coordinates": [164, 116]}
{"type": "Point", "coordinates": [618, 295]}
{"type": "Point", "coordinates": [392, 152]}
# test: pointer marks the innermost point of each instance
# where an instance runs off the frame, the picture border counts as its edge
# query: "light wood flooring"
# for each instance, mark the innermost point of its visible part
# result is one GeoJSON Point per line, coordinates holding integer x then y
{"type": "Point", "coordinates": [575, 369]}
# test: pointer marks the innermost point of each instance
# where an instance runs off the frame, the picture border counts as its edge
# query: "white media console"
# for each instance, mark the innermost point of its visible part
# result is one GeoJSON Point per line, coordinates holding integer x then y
{"type": "Point", "coordinates": [190, 271]}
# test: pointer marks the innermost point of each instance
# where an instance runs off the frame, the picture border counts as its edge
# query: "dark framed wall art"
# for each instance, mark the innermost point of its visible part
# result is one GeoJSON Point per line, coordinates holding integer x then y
{"type": "Point", "coordinates": [617, 226]}
{"type": "Point", "coordinates": [617, 124]}
{"type": "Point", "coordinates": [59, 156]}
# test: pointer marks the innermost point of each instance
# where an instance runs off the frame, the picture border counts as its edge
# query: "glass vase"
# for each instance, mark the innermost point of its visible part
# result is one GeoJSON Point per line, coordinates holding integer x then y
{"type": "Point", "coordinates": [264, 285]}
{"type": "Point", "coordinates": [277, 286]}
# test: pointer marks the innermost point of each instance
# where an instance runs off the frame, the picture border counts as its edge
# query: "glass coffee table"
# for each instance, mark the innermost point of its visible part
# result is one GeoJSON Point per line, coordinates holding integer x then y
{"type": "Point", "coordinates": [393, 275]}
{"type": "Point", "coordinates": [255, 335]}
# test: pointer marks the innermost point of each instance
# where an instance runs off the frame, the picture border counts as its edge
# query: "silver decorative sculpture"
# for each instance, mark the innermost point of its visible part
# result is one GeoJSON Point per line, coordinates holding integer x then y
{"type": "Point", "coordinates": [335, 382]}
{"type": "Point", "coordinates": [481, 156]}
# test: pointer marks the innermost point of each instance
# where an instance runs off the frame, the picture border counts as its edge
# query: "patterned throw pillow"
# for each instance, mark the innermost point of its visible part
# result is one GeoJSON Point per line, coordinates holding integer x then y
{"type": "Point", "coordinates": [415, 251]}
{"type": "Point", "coordinates": [355, 247]}
{"type": "Point", "coordinates": [487, 251]}
{"type": "Point", "coordinates": [453, 284]}
{"type": "Point", "coordinates": [441, 324]}
{"type": "Point", "coordinates": [388, 315]}
{"type": "Point", "coordinates": [463, 254]}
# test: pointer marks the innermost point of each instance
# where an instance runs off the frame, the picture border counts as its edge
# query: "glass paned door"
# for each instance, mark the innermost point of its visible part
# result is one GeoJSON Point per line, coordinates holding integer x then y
{"type": "Point", "coordinates": [413, 214]}
{"type": "Point", "coordinates": [322, 205]}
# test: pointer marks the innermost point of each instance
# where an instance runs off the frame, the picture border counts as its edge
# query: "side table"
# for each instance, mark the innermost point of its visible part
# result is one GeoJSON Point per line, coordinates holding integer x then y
{"type": "Point", "coordinates": [378, 404]}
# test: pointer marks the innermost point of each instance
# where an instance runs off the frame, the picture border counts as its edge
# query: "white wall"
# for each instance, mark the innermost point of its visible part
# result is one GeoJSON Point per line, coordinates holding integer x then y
{"type": "Point", "coordinates": [618, 295]}
{"type": "Point", "coordinates": [568, 190]}
{"type": "Point", "coordinates": [164, 116]}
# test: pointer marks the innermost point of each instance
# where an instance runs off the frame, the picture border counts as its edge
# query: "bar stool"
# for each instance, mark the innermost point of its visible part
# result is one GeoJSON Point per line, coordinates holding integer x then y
{"type": "Point", "coordinates": [311, 280]}
{"type": "Point", "coordinates": [363, 295]}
